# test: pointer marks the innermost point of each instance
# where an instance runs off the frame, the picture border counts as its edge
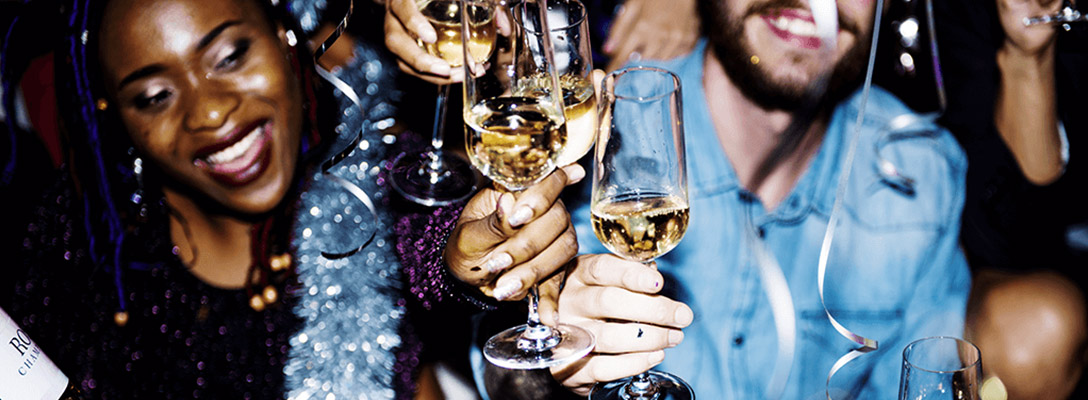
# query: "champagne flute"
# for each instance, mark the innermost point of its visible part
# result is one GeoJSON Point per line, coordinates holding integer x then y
{"type": "Point", "coordinates": [640, 200]}
{"type": "Point", "coordinates": [940, 368]}
{"type": "Point", "coordinates": [434, 177]}
{"type": "Point", "coordinates": [573, 56]}
{"type": "Point", "coordinates": [513, 137]}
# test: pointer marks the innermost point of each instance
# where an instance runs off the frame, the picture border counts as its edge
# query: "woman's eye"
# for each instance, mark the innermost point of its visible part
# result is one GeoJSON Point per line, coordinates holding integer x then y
{"type": "Point", "coordinates": [144, 101]}
{"type": "Point", "coordinates": [235, 57]}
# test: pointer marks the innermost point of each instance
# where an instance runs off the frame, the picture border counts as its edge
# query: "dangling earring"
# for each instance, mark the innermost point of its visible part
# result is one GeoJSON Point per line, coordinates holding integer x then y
{"type": "Point", "coordinates": [137, 197]}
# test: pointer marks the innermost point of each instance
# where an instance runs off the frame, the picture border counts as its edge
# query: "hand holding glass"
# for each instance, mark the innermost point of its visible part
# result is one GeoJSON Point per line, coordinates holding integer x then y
{"type": "Point", "coordinates": [640, 200]}
{"type": "Point", "coordinates": [514, 130]}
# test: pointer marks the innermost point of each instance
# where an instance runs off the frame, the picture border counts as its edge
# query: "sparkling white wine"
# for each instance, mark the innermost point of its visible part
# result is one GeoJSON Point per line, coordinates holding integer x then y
{"type": "Point", "coordinates": [514, 140]}
{"type": "Point", "coordinates": [445, 16]}
{"type": "Point", "coordinates": [640, 227]}
{"type": "Point", "coordinates": [25, 371]}
{"type": "Point", "coordinates": [579, 109]}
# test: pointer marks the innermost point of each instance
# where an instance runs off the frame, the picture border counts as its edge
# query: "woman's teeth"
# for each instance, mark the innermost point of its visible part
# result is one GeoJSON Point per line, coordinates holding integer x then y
{"type": "Point", "coordinates": [236, 150]}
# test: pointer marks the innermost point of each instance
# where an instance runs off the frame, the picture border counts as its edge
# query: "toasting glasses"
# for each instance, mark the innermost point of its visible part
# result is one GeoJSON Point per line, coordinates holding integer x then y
{"type": "Point", "coordinates": [434, 177]}
{"type": "Point", "coordinates": [573, 57]}
{"type": "Point", "coordinates": [944, 368]}
{"type": "Point", "coordinates": [640, 200]}
{"type": "Point", "coordinates": [514, 130]}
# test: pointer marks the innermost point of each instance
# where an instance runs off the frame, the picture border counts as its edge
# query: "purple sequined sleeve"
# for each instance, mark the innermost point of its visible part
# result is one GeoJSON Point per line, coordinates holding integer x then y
{"type": "Point", "coordinates": [421, 241]}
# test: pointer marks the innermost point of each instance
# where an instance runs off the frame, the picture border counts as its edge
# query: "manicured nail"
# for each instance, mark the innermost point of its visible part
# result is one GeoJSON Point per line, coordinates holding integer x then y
{"type": "Point", "coordinates": [507, 289]}
{"type": "Point", "coordinates": [521, 216]}
{"type": "Point", "coordinates": [675, 337]}
{"type": "Point", "coordinates": [683, 316]}
{"type": "Point", "coordinates": [440, 68]}
{"type": "Point", "coordinates": [498, 262]}
{"type": "Point", "coordinates": [656, 357]}
{"type": "Point", "coordinates": [426, 33]}
{"type": "Point", "coordinates": [575, 173]}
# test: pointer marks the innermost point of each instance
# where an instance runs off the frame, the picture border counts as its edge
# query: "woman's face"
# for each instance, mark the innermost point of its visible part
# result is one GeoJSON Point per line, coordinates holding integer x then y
{"type": "Point", "coordinates": [206, 92]}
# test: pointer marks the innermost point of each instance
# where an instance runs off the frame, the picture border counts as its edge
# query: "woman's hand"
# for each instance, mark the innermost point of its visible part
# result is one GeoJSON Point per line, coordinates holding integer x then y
{"type": "Point", "coordinates": [404, 24]}
{"type": "Point", "coordinates": [504, 242]}
{"type": "Point", "coordinates": [651, 29]}
{"type": "Point", "coordinates": [617, 301]}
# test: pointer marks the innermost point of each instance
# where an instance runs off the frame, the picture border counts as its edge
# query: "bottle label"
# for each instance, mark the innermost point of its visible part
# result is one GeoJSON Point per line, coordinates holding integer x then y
{"type": "Point", "coordinates": [25, 371]}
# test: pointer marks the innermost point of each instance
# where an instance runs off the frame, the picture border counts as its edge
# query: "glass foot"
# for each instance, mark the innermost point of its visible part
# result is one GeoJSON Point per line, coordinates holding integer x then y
{"type": "Point", "coordinates": [522, 348]}
{"type": "Point", "coordinates": [662, 386]}
{"type": "Point", "coordinates": [433, 178]}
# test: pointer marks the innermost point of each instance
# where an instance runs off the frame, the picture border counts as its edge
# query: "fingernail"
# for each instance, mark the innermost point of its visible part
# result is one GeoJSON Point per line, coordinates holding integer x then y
{"type": "Point", "coordinates": [683, 316]}
{"type": "Point", "coordinates": [507, 289]}
{"type": "Point", "coordinates": [656, 357]}
{"type": "Point", "coordinates": [575, 173]}
{"type": "Point", "coordinates": [498, 262]}
{"type": "Point", "coordinates": [675, 337]}
{"type": "Point", "coordinates": [440, 68]}
{"type": "Point", "coordinates": [426, 33]}
{"type": "Point", "coordinates": [521, 216]}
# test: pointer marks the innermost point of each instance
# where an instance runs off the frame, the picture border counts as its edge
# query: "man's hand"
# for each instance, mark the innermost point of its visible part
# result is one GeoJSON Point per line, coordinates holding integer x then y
{"type": "Point", "coordinates": [617, 301]}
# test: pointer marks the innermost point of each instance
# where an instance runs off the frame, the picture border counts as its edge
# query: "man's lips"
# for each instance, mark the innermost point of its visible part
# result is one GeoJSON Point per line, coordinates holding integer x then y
{"type": "Point", "coordinates": [241, 158]}
{"type": "Point", "coordinates": [793, 26]}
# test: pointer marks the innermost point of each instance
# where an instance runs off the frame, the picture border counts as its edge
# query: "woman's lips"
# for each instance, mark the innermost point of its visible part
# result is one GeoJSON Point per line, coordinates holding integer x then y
{"type": "Point", "coordinates": [793, 27]}
{"type": "Point", "coordinates": [242, 161]}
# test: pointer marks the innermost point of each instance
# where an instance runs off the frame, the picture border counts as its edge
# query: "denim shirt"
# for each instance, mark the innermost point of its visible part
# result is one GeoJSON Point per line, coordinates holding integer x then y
{"type": "Point", "coordinates": [894, 274]}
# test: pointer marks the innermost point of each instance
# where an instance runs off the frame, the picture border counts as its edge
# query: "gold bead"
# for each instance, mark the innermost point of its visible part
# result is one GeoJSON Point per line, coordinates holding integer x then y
{"type": "Point", "coordinates": [120, 318]}
{"type": "Point", "coordinates": [280, 262]}
{"type": "Point", "coordinates": [256, 303]}
{"type": "Point", "coordinates": [754, 59]}
{"type": "Point", "coordinates": [270, 294]}
{"type": "Point", "coordinates": [102, 104]}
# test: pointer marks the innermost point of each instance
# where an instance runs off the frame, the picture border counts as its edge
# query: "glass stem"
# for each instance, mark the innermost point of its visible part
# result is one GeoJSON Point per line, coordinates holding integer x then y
{"type": "Point", "coordinates": [439, 116]}
{"type": "Point", "coordinates": [537, 337]}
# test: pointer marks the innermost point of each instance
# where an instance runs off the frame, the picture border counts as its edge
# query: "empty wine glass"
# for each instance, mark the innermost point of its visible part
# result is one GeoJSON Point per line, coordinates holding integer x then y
{"type": "Point", "coordinates": [435, 177]}
{"type": "Point", "coordinates": [940, 367]}
{"type": "Point", "coordinates": [514, 130]}
{"type": "Point", "coordinates": [640, 200]}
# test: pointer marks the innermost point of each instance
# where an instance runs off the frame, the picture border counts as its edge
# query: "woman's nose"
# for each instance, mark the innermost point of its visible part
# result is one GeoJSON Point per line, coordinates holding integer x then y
{"type": "Point", "coordinates": [210, 109]}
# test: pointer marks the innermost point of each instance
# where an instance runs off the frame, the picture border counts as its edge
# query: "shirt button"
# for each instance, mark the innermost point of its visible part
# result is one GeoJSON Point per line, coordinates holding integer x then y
{"type": "Point", "coordinates": [738, 340]}
{"type": "Point", "coordinates": [762, 233]}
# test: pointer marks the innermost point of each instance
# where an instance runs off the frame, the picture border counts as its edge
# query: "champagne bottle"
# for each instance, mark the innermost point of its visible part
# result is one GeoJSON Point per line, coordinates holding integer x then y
{"type": "Point", "coordinates": [26, 373]}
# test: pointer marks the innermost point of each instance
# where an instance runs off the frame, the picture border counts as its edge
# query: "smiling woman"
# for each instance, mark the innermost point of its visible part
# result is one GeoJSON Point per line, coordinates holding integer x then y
{"type": "Point", "coordinates": [183, 249]}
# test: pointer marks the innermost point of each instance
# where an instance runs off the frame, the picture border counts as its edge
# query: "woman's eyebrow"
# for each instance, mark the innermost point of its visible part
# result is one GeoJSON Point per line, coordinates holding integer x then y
{"type": "Point", "coordinates": [156, 68]}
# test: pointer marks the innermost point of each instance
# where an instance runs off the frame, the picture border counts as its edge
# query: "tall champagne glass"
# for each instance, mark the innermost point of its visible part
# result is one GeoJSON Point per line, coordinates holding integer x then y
{"type": "Point", "coordinates": [640, 196]}
{"type": "Point", "coordinates": [940, 368]}
{"type": "Point", "coordinates": [573, 62]}
{"type": "Point", "coordinates": [513, 137]}
{"type": "Point", "coordinates": [434, 177]}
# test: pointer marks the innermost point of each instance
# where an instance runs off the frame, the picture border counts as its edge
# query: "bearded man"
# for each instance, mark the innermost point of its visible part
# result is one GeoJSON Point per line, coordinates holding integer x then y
{"type": "Point", "coordinates": [769, 116]}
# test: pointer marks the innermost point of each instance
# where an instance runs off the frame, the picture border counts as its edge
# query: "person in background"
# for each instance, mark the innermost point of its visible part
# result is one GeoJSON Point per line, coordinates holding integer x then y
{"type": "Point", "coordinates": [1016, 103]}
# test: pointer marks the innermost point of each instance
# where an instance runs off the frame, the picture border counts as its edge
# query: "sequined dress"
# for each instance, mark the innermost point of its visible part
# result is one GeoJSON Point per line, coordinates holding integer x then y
{"type": "Point", "coordinates": [339, 330]}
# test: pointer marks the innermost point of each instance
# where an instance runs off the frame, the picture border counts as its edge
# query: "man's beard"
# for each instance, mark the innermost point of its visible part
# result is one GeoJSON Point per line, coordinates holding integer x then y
{"type": "Point", "coordinates": [727, 38]}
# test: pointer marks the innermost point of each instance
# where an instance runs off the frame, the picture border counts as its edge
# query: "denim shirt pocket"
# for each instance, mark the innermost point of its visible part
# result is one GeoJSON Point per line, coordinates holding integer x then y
{"type": "Point", "coordinates": [819, 346]}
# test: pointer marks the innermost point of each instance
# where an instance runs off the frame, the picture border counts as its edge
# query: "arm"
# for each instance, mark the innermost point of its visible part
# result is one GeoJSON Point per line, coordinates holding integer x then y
{"type": "Point", "coordinates": [1026, 63]}
{"type": "Point", "coordinates": [497, 246]}
{"type": "Point", "coordinates": [651, 29]}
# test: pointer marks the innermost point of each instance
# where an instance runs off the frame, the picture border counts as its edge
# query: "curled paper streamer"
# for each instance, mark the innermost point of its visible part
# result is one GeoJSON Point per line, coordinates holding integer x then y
{"type": "Point", "coordinates": [338, 156]}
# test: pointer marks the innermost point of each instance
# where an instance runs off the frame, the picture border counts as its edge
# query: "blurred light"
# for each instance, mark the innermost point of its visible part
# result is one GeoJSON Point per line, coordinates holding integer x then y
{"type": "Point", "coordinates": [908, 32]}
{"type": "Point", "coordinates": [906, 61]}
